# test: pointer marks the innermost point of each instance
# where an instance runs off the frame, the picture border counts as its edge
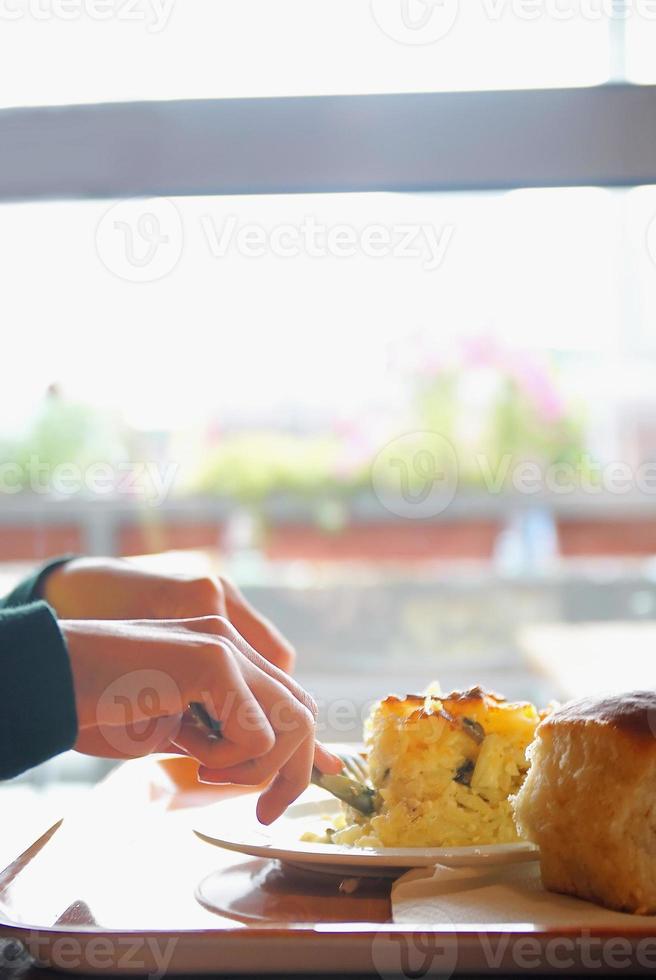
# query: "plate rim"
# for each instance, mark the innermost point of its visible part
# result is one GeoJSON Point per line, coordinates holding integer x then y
{"type": "Point", "coordinates": [330, 854]}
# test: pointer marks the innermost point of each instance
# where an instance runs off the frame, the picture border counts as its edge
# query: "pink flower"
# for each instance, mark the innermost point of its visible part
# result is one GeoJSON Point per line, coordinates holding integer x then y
{"type": "Point", "coordinates": [535, 382]}
{"type": "Point", "coordinates": [482, 351]}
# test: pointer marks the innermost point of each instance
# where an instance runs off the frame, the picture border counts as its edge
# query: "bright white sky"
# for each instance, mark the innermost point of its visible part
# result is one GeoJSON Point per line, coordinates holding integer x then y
{"type": "Point", "coordinates": [641, 48]}
{"type": "Point", "coordinates": [223, 48]}
{"type": "Point", "coordinates": [265, 333]}
{"type": "Point", "coordinates": [314, 334]}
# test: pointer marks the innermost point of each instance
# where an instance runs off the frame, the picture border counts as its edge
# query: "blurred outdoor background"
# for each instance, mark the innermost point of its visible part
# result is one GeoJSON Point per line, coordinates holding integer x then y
{"type": "Point", "coordinates": [419, 430]}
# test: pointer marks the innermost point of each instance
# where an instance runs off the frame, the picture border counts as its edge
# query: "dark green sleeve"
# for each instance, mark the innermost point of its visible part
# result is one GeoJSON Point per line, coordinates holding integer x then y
{"type": "Point", "coordinates": [38, 718]}
{"type": "Point", "coordinates": [30, 588]}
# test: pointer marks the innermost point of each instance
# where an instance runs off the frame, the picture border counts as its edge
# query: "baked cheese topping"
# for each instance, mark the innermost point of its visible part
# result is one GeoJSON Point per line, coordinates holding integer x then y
{"type": "Point", "coordinates": [445, 767]}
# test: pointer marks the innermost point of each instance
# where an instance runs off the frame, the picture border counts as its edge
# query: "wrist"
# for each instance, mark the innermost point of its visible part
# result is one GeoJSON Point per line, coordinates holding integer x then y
{"type": "Point", "coordinates": [38, 584]}
{"type": "Point", "coordinates": [52, 587]}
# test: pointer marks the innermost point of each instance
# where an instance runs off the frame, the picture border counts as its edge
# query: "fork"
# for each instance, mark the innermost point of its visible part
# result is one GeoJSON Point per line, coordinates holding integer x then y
{"type": "Point", "coordinates": [351, 786]}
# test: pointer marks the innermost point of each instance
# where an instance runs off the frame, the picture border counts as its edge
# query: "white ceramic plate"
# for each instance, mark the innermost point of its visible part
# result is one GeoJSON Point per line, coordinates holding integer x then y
{"type": "Point", "coordinates": [232, 824]}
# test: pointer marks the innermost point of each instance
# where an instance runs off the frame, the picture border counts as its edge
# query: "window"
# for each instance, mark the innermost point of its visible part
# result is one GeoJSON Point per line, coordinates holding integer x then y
{"type": "Point", "coordinates": [225, 49]}
{"type": "Point", "coordinates": [258, 298]}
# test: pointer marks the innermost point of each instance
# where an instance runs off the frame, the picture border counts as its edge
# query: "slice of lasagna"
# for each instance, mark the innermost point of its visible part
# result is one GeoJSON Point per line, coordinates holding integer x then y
{"type": "Point", "coordinates": [444, 767]}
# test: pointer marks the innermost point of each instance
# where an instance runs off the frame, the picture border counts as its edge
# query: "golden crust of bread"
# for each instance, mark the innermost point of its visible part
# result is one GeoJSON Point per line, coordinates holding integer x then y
{"type": "Point", "coordinates": [589, 801]}
{"type": "Point", "coordinates": [633, 714]}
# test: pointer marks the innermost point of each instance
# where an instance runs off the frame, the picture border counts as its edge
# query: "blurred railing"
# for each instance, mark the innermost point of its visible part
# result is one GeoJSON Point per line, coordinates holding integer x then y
{"type": "Point", "coordinates": [288, 528]}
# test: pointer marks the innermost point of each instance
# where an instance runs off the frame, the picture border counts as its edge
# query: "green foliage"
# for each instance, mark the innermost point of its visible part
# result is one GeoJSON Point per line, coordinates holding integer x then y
{"type": "Point", "coordinates": [497, 404]}
{"type": "Point", "coordinates": [520, 418]}
{"type": "Point", "coordinates": [63, 432]}
{"type": "Point", "coordinates": [252, 466]}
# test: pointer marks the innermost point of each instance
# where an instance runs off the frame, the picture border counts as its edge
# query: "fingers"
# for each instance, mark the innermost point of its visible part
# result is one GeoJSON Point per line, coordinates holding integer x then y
{"type": "Point", "coordinates": [136, 679]}
{"type": "Point", "coordinates": [292, 779]}
{"type": "Point", "coordinates": [223, 627]}
{"type": "Point", "coordinates": [289, 763]}
{"type": "Point", "coordinates": [291, 721]}
{"type": "Point", "coordinates": [254, 772]}
{"type": "Point", "coordinates": [256, 629]}
{"type": "Point", "coordinates": [193, 665]}
{"type": "Point", "coordinates": [208, 596]}
{"type": "Point", "coordinates": [326, 761]}
{"type": "Point", "coordinates": [196, 597]}
{"type": "Point", "coordinates": [214, 754]}
{"type": "Point", "coordinates": [228, 698]}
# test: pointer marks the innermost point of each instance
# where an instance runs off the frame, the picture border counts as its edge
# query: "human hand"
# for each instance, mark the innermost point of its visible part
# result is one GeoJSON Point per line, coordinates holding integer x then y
{"type": "Point", "coordinates": [113, 588]}
{"type": "Point", "coordinates": [134, 681]}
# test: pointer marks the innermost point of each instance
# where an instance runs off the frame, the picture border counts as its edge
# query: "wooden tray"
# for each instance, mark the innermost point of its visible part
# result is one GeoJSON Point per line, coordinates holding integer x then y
{"type": "Point", "coordinates": [112, 888]}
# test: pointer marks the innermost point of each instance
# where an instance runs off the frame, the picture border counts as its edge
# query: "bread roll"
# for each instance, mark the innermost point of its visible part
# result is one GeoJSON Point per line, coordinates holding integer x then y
{"type": "Point", "coordinates": [589, 800]}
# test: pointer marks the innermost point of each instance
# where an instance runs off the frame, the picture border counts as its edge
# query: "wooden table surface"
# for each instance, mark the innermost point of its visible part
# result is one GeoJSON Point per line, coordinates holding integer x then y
{"type": "Point", "coordinates": [126, 858]}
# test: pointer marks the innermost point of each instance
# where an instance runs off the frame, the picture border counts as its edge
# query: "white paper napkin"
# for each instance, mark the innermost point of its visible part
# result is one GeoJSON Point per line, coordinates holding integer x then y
{"type": "Point", "coordinates": [511, 894]}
